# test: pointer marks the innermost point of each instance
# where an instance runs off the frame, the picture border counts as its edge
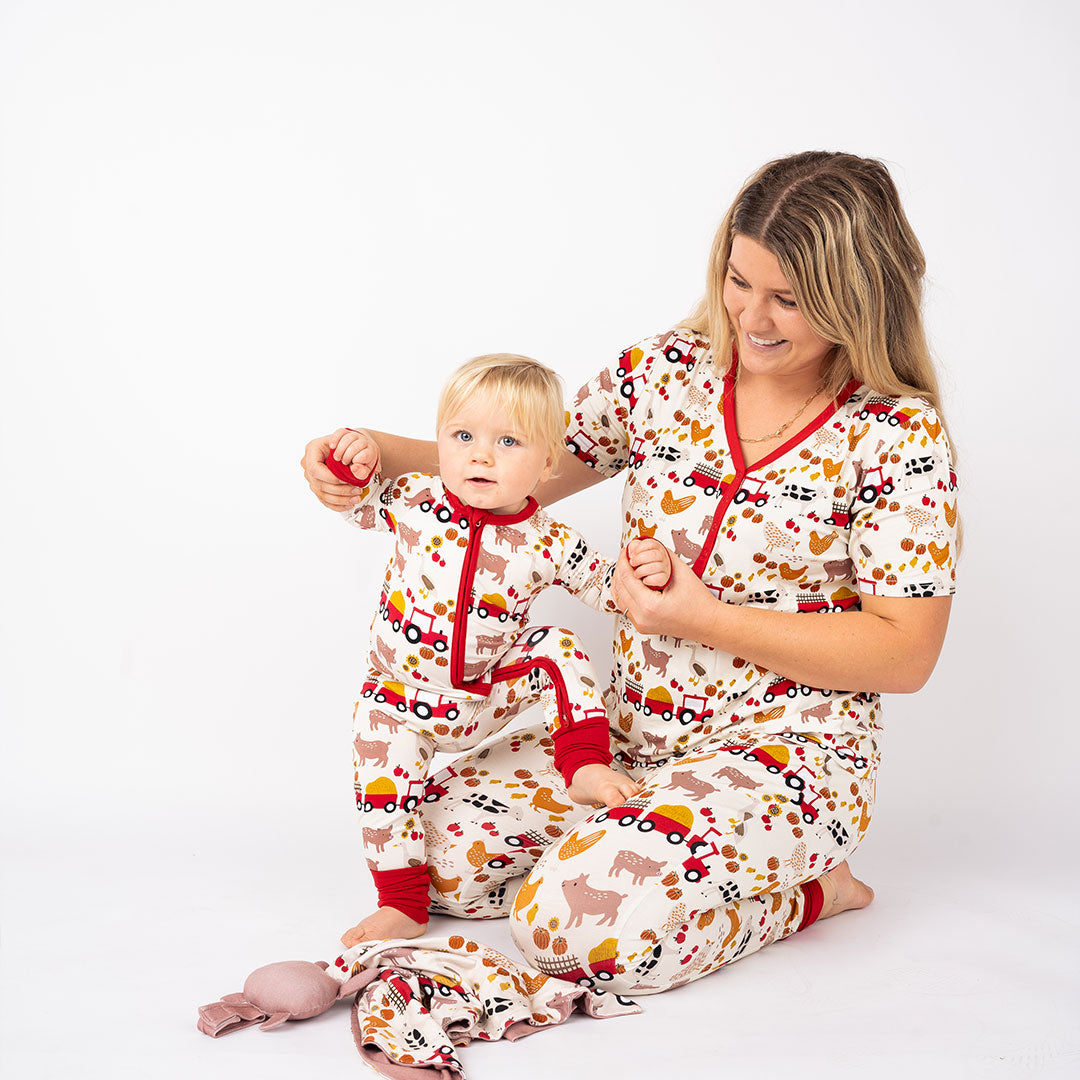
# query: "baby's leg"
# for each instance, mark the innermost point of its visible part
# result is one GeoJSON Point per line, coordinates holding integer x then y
{"type": "Point", "coordinates": [391, 754]}
{"type": "Point", "coordinates": [550, 663]}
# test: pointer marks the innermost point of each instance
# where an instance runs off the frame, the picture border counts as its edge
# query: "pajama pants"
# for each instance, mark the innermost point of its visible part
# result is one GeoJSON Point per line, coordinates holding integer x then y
{"type": "Point", "coordinates": [707, 866]}
{"type": "Point", "coordinates": [397, 729]}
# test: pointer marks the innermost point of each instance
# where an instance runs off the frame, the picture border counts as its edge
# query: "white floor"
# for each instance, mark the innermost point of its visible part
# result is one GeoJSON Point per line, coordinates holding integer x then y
{"type": "Point", "coordinates": [114, 936]}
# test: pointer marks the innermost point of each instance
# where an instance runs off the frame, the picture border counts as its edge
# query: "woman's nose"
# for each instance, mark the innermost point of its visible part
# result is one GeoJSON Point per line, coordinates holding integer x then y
{"type": "Point", "coordinates": [755, 316]}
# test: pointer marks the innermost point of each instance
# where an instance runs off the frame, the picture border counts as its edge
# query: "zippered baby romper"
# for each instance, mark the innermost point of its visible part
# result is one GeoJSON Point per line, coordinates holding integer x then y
{"type": "Point", "coordinates": [453, 659]}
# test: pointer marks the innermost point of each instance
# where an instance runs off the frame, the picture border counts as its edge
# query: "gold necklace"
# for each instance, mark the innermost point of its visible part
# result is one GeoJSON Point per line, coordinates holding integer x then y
{"type": "Point", "coordinates": [780, 430]}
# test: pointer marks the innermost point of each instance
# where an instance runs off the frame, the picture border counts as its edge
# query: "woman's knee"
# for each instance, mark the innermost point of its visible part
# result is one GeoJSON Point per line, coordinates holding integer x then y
{"type": "Point", "coordinates": [596, 956]}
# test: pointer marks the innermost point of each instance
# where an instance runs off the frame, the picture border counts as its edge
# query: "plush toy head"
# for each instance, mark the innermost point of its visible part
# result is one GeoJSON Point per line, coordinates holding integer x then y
{"type": "Point", "coordinates": [289, 990]}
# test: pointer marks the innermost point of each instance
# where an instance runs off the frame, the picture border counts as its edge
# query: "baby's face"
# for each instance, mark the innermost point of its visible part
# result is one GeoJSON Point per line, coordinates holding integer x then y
{"type": "Point", "coordinates": [486, 461]}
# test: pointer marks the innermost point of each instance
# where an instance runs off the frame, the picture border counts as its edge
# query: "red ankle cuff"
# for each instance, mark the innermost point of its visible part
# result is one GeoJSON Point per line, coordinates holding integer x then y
{"type": "Point", "coordinates": [813, 900]}
{"type": "Point", "coordinates": [405, 889]}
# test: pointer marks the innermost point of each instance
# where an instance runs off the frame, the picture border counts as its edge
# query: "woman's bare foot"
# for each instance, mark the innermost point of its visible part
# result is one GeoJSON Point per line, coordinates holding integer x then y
{"type": "Point", "coordinates": [843, 891]}
{"type": "Point", "coordinates": [385, 923]}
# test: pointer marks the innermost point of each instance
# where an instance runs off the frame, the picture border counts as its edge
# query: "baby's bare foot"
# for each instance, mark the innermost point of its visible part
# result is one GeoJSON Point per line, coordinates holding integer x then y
{"type": "Point", "coordinates": [598, 785]}
{"type": "Point", "coordinates": [843, 891]}
{"type": "Point", "coordinates": [385, 923]}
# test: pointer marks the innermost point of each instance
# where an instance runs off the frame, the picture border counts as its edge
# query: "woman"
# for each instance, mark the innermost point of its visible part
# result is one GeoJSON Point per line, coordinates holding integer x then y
{"type": "Point", "coordinates": [785, 444]}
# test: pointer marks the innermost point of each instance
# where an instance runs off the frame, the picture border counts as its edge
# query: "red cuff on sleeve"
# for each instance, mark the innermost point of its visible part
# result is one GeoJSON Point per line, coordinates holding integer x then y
{"type": "Point", "coordinates": [344, 473]}
{"type": "Point", "coordinates": [405, 889]}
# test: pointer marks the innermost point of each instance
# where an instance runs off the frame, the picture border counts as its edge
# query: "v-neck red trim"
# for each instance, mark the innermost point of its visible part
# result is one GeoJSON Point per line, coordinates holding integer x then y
{"type": "Point", "coordinates": [727, 493]}
{"type": "Point", "coordinates": [732, 433]}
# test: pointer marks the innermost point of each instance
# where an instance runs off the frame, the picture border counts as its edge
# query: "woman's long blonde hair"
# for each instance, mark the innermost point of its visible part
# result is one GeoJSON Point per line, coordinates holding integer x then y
{"type": "Point", "coordinates": [835, 224]}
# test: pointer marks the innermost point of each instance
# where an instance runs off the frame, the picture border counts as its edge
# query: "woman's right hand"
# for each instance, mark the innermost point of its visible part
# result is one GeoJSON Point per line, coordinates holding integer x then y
{"type": "Point", "coordinates": [326, 487]}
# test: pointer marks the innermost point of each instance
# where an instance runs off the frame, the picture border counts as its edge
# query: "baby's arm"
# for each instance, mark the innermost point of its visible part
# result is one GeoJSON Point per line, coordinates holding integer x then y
{"type": "Point", "coordinates": [584, 573]}
{"type": "Point", "coordinates": [651, 562]}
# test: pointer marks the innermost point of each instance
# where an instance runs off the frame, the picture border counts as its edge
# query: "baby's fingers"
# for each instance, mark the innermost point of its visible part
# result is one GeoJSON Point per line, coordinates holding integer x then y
{"type": "Point", "coordinates": [358, 445]}
{"type": "Point", "coordinates": [347, 445]}
{"type": "Point", "coordinates": [656, 579]}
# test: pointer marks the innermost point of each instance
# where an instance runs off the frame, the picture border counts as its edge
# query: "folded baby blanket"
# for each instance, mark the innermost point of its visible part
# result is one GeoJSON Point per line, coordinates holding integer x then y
{"type": "Point", "coordinates": [416, 1001]}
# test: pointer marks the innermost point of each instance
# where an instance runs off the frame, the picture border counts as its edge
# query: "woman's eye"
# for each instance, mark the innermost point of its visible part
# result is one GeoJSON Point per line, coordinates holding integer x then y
{"type": "Point", "coordinates": [785, 302]}
{"type": "Point", "coordinates": [738, 282]}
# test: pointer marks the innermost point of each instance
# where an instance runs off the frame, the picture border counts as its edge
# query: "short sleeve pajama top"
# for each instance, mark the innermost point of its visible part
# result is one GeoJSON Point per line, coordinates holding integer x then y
{"type": "Point", "coordinates": [860, 501]}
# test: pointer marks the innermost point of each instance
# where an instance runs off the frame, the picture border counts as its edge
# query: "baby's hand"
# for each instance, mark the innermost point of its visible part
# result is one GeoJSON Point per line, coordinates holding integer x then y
{"type": "Point", "coordinates": [598, 784]}
{"type": "Point", "coordinates": [651, 562]}
{"type": "Point", "coordinates": [359, 451]}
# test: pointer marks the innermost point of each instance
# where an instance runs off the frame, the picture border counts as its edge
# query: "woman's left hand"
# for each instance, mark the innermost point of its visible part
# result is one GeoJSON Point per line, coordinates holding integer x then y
{"type": "Point", "coordinates": [684, 609]}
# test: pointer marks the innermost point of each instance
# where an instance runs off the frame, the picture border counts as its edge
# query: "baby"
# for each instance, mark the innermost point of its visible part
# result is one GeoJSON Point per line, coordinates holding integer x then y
{"type": "Point", "coordinates": [452, 657]}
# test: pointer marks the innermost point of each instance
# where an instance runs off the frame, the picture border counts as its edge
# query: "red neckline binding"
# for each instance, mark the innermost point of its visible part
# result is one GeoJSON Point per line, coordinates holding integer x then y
{"type": "Point", "coordinates": [732, 433]}
{"type": "Point", "coordinates": [474, 513]}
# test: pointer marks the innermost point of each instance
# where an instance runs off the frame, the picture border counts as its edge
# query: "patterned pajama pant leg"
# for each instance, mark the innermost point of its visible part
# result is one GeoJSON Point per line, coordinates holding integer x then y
{"type": "Point", "coordinates": [702, 869]}
{"type": "Point", "coordinates": [393, 747]}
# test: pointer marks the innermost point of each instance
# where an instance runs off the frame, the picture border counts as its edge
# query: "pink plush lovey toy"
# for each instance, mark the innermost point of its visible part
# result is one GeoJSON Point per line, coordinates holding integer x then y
{"type": "Point", "coordinates": [289, 990]}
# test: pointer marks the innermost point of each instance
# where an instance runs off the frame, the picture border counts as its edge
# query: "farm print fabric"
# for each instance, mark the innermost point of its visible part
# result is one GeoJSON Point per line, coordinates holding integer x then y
{"type": "Point", "coordinates": [861, 501]}
{"type": "Point", "coordinates": [755, 785]}
{"type": "Point", "coordinates": [705, 866]}
{"type": "Point", "coordinates": [430, 995]}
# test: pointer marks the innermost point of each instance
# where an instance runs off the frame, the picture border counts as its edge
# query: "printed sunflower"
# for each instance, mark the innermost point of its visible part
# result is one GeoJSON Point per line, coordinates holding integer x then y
{"type": "Point", "coordinates": [412, 661]}
{"type": "Point", "coordinates": [566, 642]}
{"type": "Point", "coordinates": [436, 541]}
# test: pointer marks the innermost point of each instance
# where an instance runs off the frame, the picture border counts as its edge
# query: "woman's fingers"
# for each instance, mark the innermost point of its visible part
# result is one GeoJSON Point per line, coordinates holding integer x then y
{"type": "Point", "coordinates": [326, 487]}
{"type": "Point", "coordinates": [315, 453]}
{"type": "Point", "coordinates": [336, 497]}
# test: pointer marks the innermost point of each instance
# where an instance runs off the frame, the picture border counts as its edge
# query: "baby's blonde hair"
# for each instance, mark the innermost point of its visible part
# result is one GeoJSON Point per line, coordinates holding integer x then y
{"type": "Point", "coordinates": [530, 392]}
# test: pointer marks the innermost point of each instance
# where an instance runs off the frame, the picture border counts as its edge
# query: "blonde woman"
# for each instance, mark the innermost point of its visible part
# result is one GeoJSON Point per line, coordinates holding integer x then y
{"type": "Point", "coordinates": [786, 444]}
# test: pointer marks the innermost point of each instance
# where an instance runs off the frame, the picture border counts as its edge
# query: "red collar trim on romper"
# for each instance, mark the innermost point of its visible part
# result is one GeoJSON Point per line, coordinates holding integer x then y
{"type": "Point", "coordinates": [482, 517]}
{"type": "Point", "coordinates": [735, 450]}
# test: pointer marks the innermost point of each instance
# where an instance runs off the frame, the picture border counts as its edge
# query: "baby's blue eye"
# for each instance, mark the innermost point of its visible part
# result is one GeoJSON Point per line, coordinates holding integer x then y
{"type": "Point", "coordinates": [463, 436]}
{"type": "Point", "coordinates": [508, 440]}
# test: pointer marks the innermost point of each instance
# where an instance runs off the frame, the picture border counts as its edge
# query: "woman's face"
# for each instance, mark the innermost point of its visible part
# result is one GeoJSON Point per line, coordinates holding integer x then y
{"type": "Point", "coordinates": [772, 336]}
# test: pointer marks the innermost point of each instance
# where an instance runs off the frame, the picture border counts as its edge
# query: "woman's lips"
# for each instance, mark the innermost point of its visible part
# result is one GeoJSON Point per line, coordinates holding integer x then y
{"type": "Point", "coordinates": [765, 345]}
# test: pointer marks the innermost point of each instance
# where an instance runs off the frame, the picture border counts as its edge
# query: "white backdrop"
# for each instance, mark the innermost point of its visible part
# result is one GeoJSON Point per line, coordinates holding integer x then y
{"type": "Point", "coordinates": [229, 226]}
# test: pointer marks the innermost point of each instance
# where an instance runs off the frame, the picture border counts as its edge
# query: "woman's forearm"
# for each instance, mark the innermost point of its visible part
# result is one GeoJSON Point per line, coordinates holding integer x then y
{"type": "Point", "coordinates": [891, 645]}
{"type": "Point", "coordinates": [856, 650]}
{"type": "Point", "coordinates": [399, 455]}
